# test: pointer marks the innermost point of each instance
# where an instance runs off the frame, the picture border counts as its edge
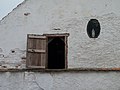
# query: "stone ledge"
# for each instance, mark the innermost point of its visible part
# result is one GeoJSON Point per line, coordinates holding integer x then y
{"type": "Point", "coordinates": [61, 70]}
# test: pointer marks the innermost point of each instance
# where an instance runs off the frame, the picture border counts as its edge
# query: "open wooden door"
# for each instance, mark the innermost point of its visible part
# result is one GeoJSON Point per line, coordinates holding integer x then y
{"type": "Point", "coordinates": [36, 51]}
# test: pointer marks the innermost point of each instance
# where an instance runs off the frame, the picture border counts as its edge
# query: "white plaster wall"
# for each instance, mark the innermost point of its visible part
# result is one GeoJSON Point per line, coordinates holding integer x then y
{"type": "Point", "coordinates": [60, 81]}
{"type": "Point", "coordinates": [70, 16]}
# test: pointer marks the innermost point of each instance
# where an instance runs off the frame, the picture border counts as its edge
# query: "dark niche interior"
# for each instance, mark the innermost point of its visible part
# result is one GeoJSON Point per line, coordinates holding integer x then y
{"type": "Point", "coordinates": [56, 53]}
{"type": "Point", "coordinates": [93, 28]}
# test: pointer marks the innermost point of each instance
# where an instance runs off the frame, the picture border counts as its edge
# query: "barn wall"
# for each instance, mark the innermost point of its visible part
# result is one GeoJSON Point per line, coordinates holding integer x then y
{"type": "Point", "coordinates": [60, 81]}
{"type": "Point", "coordinates": [71, 16]}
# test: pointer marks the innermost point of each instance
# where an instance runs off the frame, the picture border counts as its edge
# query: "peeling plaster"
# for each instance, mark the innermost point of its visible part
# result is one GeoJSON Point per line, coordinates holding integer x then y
{"type": "Point", "coordinates": [62, 16]}
{"type": "Point", "coordinates": [58, 17]}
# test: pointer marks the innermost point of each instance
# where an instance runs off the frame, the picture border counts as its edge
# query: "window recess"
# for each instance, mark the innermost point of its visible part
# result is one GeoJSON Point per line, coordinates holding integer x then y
{"type": "Point", "coordinates": [48, 51]}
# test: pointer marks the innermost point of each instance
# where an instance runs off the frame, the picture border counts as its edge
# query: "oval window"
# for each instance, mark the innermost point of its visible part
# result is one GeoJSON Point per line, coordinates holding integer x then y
{"type": "Point", "coordinates": [93, 28]}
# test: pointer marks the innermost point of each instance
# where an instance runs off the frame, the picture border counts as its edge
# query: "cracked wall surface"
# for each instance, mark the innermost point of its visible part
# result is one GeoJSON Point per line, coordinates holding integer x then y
{"type": "Point", "coordinates": [59, 81]}
{"type": "Point", "coordinates": [43, 16]}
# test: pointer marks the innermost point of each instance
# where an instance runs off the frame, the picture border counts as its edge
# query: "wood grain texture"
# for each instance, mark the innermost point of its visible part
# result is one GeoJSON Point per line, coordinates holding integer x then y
{"type": "Point", "coordinates": [36, 51]}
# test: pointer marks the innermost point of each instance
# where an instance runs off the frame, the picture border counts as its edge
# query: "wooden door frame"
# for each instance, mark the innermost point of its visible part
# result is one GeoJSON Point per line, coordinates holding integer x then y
{"type": "Point", "coordinates": [65, 35]}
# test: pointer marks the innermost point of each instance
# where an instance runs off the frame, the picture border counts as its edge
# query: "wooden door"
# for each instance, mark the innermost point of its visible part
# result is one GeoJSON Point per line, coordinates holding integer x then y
{"type": "Point", "coordinates": [36, 51]}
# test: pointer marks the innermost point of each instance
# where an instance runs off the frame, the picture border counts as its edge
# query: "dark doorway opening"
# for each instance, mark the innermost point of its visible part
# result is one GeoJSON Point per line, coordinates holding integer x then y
{"type": "Point", "coordinates": [56, 53]}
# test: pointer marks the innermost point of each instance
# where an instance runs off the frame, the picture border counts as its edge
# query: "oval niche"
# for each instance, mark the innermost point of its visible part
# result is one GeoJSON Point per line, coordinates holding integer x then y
{"type": "Point", "coordinates": [93, 28]}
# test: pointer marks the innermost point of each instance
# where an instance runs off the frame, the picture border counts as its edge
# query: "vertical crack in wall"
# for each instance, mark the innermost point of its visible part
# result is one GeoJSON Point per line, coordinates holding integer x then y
{"type": "Point", "coordinates": [37, 83]}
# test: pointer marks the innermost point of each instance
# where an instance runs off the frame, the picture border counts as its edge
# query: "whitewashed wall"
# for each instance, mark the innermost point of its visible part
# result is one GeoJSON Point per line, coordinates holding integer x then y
{"type": "Point", "coordinates": [71, 16]}
{"type": "Point", "coordinates": [60, 81]}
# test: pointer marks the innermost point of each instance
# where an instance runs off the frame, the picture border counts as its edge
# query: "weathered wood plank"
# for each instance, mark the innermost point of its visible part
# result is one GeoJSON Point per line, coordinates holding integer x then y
{"type": "Point", "coordinates": [37, 36]}
{"type": "Point", "coordinates": [36, 51]}
{"type": "Point", "coordinates": [36, 67]}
